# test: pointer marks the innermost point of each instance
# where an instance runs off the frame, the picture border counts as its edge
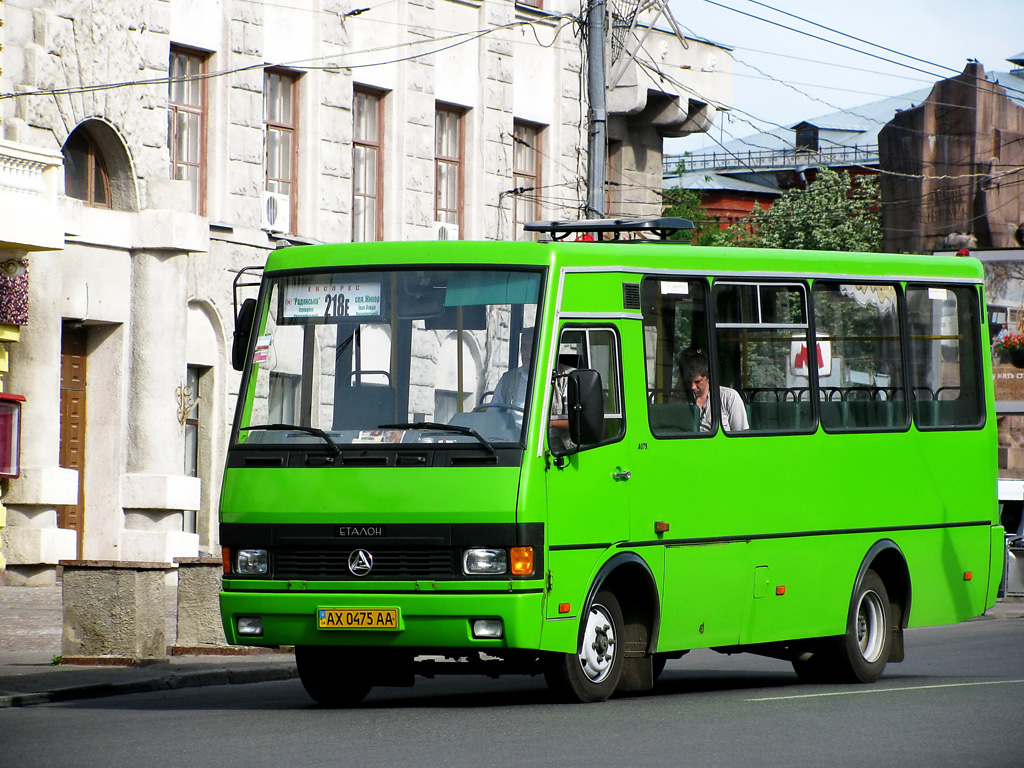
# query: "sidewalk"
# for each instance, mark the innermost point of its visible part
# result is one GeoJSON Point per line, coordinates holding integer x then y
{"type": "Point", "coordinates": [30, 641]}
{"type": "Point", "coordinates": [30, 634]}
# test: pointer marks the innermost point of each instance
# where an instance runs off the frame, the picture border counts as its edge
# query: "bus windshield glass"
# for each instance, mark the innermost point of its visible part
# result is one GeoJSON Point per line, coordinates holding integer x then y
{"type": "Point", "coordinates": [376, 357]}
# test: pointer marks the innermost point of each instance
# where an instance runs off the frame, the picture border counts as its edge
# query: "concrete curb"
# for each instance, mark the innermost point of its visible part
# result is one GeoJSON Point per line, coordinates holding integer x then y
{"type": "Point", "coordinates": [172, 681]}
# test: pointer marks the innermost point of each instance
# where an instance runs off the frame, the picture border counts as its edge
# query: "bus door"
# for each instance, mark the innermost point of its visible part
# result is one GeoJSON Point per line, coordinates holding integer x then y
{"type": "Point", "coordinates": [588, 489]}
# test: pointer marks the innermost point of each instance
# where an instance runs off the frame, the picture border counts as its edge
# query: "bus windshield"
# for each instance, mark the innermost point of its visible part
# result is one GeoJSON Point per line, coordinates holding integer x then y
{"type": "Point", "coordinates": [376, 357]}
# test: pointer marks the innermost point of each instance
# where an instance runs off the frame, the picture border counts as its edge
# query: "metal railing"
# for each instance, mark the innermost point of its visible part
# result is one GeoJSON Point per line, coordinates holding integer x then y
{"type": "Point", "coordinates": [771, 159]}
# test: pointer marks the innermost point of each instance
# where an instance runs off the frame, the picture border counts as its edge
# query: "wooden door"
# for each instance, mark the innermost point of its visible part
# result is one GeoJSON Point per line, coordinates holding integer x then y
{"type": "Point", "coordinates": [72, 424]}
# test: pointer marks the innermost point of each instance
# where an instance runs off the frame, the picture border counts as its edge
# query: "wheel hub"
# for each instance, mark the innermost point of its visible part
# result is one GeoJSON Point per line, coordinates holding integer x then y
{"type": "Point", "coordinates": [598, 651]}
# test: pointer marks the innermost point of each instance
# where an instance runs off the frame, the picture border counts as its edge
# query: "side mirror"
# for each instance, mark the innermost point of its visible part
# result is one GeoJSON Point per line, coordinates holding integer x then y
{"type": "Point", "coordinates": [584, 401]}
{"type": "Point", "coordinates": [243, 330]}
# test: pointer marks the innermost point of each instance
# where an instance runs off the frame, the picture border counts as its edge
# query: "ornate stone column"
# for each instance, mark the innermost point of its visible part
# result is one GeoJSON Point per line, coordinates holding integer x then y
{"type": "Point", "coordinates": [154, 490]}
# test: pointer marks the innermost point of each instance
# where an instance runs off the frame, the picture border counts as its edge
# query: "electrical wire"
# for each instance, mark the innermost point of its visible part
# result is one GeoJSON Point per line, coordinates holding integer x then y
{"type": "Point", "coordinates": [933, 75]}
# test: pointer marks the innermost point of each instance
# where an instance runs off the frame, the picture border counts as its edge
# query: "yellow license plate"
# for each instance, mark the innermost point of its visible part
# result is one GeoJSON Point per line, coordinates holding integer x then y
{"type": "Point", "coordinates": [357, 618]}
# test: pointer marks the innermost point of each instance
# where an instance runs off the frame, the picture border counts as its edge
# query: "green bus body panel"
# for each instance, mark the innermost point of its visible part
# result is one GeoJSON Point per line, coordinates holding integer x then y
{"type": "Point", "coordinates": [364, 495]}
{"type": "Point", "coordinates": [767, 534]}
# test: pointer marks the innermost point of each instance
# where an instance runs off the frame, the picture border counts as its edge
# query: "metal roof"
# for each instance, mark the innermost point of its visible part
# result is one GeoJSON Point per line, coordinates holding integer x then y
{"type": "Point", "coordinates": [1012, 82]}
{"type": "Point", "coordinates": [716, 182]}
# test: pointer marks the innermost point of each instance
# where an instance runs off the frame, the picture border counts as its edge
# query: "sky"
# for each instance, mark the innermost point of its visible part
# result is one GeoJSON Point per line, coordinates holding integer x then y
{"type": "Point", "coordinates": [782, 77]}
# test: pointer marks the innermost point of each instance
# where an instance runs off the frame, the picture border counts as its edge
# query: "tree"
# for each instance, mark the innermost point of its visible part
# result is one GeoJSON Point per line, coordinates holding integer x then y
{"type": "Point", "coordinates": [830, 215]}
{"type": "Point", "coordinates": [686, 204]}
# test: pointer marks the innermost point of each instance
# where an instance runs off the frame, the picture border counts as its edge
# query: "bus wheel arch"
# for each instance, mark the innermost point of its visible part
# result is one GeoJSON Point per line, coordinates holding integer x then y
{"type": "Point", "coordinates": [879, 604]}
{"type": "Point", "coordinates": [887, 560]}
{"type": "Point", "coordinates": [624, 589]}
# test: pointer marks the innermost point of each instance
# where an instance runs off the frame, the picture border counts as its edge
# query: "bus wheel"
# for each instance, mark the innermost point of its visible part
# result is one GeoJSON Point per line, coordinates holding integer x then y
{"type": "Point", "coordinates": [864, 649]}
{"type": "Point", "coordinates": [860, 655]}
{"type": "Point", "coordinates": [593, 673]}
{"type": "Point", "coordinates": [331, 679]}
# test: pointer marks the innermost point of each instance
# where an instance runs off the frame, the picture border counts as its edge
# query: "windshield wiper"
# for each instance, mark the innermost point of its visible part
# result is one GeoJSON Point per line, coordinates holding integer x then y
{"type": "Point", "coordinates": [458, 429]}
{"type": "Point", "coordinates": [296, 428]}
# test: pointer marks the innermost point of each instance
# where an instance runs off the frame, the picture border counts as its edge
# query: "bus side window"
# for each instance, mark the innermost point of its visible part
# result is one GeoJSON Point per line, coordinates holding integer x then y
{"type": "Point", "coordinates": [945, 365]}
{"type": "Point", "coordinates": [859, 357]}
{"type": "Point", "coordinates": [674, 320]}
{"type": "Point", "coordinates": [762, 335]}
{"type": "Point", "coordinates": [597, 349]}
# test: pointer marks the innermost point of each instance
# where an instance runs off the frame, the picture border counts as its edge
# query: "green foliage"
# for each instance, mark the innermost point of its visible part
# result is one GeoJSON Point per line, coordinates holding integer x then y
{"type": "Point", "coordinates": [830, 215]}
{"type": "Point", "coordinates": [685, 203]}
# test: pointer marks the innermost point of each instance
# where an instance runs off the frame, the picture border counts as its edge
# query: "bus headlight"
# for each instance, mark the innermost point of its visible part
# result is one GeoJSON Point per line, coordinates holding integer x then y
{"type": "Point", "coordinates": [251, 562]}
{"type": "Point", "coordinates": [488, 628]}
{"type": "Point", "coordinates": [484, 562]}
{"type": "Point", "coordinates": [250, 626]}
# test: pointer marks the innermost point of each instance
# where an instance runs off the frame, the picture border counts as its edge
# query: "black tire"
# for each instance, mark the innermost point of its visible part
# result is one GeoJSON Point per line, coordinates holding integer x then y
{"type": "Point", "coordinates": [592, 674]}
{"type": "Point", "coordinates": [864, 649]}
{"type": "Point", "coordinates": [816, 668]}
{"type": "Point", "coordinates": [658, 665]}
{"type": "Point", "coordinates": [859, 655]}
{"type": "Point", "coordinates": [333, 677]}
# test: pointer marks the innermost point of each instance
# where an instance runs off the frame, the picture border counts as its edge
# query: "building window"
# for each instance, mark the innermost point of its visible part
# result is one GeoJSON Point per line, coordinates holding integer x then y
{"type": "Point", "coordinates": [526, 156]}
{"type": "Point", "coordinates": [186, 106]}
{"type": "Point", "coordinates": [280, 90]}
{"type": "Point", "coordinates": [284, 397]}
{"type": "Point", "coordinates": [190, 404]}
{"type": "Point", "coordinates": [806, 138]}
{"type": "Point", "coordinates": [448, 154]}
{"type": "Point", "coordinates": [85, 173]}
{"type": "Point", "coordinates": [367, 144]}
{"type": "Point", "coordinates": [531, 3]}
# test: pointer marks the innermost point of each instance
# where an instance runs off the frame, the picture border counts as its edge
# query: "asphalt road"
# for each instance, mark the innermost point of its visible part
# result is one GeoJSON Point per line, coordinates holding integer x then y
{"type": "Point", "coordinates": [958, 700]}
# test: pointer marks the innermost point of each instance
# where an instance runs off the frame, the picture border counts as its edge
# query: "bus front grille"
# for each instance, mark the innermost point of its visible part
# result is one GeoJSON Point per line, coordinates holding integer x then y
{"type": "Point", "coordinates": [394, 564]}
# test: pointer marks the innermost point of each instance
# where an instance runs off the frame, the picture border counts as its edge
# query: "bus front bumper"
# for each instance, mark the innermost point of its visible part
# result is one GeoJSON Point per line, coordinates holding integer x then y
{"type": "Point", "coordinates": [424, 620]}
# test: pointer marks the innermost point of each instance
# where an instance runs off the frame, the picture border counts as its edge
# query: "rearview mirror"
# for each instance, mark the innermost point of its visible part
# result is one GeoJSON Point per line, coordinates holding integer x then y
{"type": "Point", "coordinates": [584, 401]}
{"type": "Point", "coordinates": [243, 330]}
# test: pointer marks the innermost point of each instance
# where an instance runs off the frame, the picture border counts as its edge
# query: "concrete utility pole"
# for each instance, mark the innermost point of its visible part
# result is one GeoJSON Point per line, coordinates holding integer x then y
{"type": "Point", "coordinates": [598, 114]}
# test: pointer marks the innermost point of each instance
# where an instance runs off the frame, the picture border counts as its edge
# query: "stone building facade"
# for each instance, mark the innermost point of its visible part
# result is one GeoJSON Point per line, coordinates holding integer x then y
{"type": "Point", "coordinates": [952, 165]}
{"type": "Point", "coordinates": [174, 142]}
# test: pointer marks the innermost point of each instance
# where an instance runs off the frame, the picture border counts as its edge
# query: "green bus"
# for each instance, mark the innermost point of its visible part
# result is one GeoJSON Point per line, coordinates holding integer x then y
{"type": "Point", "coordinates": [581, 459]}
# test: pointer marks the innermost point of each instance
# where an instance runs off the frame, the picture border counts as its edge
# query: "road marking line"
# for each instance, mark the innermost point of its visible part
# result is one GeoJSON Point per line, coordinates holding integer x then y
{"type": "Point", "coordinates": [886, 690]}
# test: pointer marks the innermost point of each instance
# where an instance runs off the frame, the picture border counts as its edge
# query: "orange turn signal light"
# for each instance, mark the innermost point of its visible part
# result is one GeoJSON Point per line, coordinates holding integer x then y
{"type": "Point", "coordinates": [522, 561]}
{"type": "Point", "coordinates": [225, 556]}
{"type": "Point", "coordinates": [780, 590]}
{"type": "Point", "coordinates": [968, 576]}
{"type": "Point", "coordinates": [564, 607]}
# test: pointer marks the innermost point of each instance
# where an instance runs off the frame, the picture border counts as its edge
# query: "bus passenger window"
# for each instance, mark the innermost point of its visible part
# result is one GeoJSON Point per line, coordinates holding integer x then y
{"type": "Point", "coordinates": [859, 357]}
{"type": "Point", "coordinates": [675, 320]}
{"type": "Point", "coordinates": [762, 330]}
{"type": "Point", "coordinates": [945, 365]}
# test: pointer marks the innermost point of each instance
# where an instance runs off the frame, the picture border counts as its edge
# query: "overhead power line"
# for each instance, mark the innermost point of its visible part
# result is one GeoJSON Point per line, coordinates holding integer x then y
{"type": "Point", "coordinates": [933, 75]}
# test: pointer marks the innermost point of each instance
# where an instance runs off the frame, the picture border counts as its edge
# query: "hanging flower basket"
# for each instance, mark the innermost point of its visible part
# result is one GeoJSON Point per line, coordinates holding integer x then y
{"type": "Point", "coordinates": [1013, 345]}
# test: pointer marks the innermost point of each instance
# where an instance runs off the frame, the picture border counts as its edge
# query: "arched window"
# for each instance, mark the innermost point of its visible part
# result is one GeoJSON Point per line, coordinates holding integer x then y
{"type": "Point", "coordinates": [85, 173]}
